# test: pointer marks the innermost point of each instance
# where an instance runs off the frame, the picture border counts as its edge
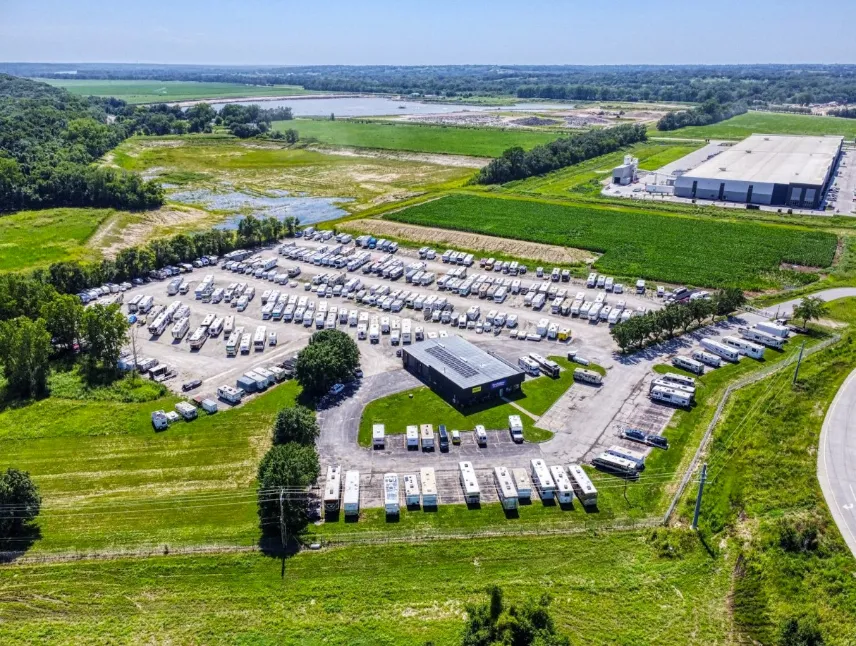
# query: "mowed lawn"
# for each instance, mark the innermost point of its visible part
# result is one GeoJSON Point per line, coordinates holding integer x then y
{"type": "Point", "coordinates": [476, 142]}
{"type": "Point", "coordinates": [30, 239]}
{"type": "Point", "coordinates": [638, 243]}
{"type": "Point", "coordinates": [145, 91]}
{"type": "Point", "coordinates": [768, 123]}
{"type": "Point", "coordinates": [108, 481]}
{"type": "Point", "coordinates": [624, 588]}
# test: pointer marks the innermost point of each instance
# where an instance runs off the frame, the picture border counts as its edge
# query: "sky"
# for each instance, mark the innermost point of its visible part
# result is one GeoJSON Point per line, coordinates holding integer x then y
{"type": "Point", "coordinates": [440, 32]}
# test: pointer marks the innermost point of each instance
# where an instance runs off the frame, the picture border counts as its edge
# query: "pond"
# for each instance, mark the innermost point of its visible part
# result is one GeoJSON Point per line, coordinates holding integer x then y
{"type": "Point", "coordinates": [279, 204]}
{"type": "Point", "coordinates": [366, 106]}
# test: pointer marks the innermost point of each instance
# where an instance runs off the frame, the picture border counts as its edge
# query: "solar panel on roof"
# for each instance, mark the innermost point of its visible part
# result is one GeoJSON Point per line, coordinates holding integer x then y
{"type": "Point", "coordinates": [462, 368]}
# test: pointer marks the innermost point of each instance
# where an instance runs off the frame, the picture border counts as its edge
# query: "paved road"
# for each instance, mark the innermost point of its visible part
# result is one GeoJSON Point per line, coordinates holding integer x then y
{"type": "Point", "coordinates": [836, 460]}
{"type": "Point", "coordinates": [785, 309]}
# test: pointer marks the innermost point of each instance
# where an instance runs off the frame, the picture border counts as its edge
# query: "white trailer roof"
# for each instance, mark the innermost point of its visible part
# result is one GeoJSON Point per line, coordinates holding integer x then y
{"type": "Point", "coordinates": [542, 474]}
{"type": "Point", "coordinates": [333, 484]}
{"type": "Point", "coordinates": [352, 487]}
{"type": "Point", "coordinates": [505, 483]}
{"type": "Point", "coordinates": [560, 477]}
{"type": "Point", "coordinates": [390, 489]}
{"type": "Point", "coordinates": [468, 478]}
{"type": "Point", "coordinates": [411, 485]}
{"type": "Point", "coordinates": [580, 477]}
{"type": "Point", "coordinates": [429, 481]}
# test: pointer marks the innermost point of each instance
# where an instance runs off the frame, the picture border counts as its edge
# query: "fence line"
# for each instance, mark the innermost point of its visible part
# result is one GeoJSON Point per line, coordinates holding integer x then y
{"type": "Point", "coordinates": [746, 381]}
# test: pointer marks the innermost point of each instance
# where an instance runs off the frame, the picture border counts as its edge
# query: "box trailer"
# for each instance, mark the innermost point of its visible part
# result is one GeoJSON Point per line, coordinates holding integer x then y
{"type": "Point", "coordinates": [721, 350]}
{"type": "Point", "coordinates": [542, 479]}
{"type": "Point", "coordinates": [583, 487]}
{"type": "Point", "coordinates": [411, 491]}
{"type": "Point", "coordinates": [209, 406]}
{"type": "Point", "coordinates": [469, 483]}
{"type": "Point", "coordinates": [759, 336]}
{"type": "Point", "coordinates": [523, 484]}
{"type": "Point", "coordinates": [564, 489]}
{"type": "Point", "coordinates": [332, 488]}
{"type": "Point", "coordinates": [429, 487]}
{"type": "Point", "coordinates": [690, 365]}
{"type": "Point", "coordinates": [351, 499]}
{"type": "Point", "coordinates": [390, 494]}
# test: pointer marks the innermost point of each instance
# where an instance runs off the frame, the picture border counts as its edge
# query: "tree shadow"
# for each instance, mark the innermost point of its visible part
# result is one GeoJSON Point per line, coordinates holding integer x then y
{"type": "Point", "coordinates": [14, 547]}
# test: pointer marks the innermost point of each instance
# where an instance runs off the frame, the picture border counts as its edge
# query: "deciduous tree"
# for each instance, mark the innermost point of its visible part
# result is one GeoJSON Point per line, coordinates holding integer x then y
{"type": "Point", "coordinates": [284, 473]}
{"type": "Point", "coordinates": [295, 424]}
{"type": "Point", "coordinates": [25, 349]}
{"type": "Point", "coordinates": [20, 501]}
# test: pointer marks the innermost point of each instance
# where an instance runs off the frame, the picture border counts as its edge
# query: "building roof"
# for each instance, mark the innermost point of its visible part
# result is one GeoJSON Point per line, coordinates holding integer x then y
{"type": "Point", "coordinates": [773, 159]}
{"type": "Point", "coordinates": [460, 361]}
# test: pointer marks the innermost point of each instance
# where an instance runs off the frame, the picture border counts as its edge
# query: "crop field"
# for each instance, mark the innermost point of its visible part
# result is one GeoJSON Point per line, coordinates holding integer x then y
{"type": "Point", "coordinates": [31, 239]}
{"type": "Point", "coordinates": [226, 164]}
{"type": "Point", "coordinates": [586, 177]}
{"type": "Point", "coordinates": [376, 595]}
{"type": "Point", "coordinates": [161, 91]}
{"type": "Point", "coordinates": [637, 243]}
{"type": "Point", "coordinates": [476, 142]}
{"type": "Point", "coordinates": [768, 123]}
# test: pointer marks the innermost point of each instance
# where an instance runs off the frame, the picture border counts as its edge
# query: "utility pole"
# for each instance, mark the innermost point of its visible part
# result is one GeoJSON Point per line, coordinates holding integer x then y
{"type": "Point", "coordinates": [282, 533]}
{"type": "Point", "coordinates": [799, 361]}
{"type": "Point", "coordinates": [698, 497]}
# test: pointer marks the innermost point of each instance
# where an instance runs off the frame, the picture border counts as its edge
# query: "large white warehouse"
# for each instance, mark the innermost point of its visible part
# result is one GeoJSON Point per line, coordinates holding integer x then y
{"type": "Point", "coordinates": [776, 170]}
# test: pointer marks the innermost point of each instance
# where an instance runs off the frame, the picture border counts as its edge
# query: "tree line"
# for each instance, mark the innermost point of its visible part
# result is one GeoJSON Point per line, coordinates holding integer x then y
{"type": "Point", "coordinates": [516, 163]}
{"type": "Point", "coordinates": [638, 331]}
{"type": "Point", "coordinates": [846, 113]}
{"type": "Point", "coordinates": [754, 84]}
{"type": "Point", "coordinates": [710, 112]}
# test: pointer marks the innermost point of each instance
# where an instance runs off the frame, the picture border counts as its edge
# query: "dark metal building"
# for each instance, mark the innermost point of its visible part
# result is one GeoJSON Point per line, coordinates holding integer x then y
{"type": "Point", "coordinates": [459, 371]}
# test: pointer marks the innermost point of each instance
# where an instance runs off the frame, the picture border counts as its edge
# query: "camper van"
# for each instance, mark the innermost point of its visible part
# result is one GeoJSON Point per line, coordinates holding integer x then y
{"type": "Point", "coordinates": [515, 427]}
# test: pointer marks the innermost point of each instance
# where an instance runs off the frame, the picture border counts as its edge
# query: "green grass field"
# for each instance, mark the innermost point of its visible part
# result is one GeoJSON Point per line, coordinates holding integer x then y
{"type": "Point", "coordinates": [585, 178]}
{"type": "Point", "coordinates": [162, 91]}
{"type": "Point", "coordinates": [637, 243]}
{"type": "Point", "coordinates": [477, 142]}
{"type": "Point", "coordinates": [613, 589]}
{"type": "Point", "coordinates": [768, 123]}
{"type": "Point", "coordinates": [30, 239]}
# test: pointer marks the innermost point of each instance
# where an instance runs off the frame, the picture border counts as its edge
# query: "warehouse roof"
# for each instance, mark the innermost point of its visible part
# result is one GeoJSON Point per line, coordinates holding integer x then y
{"type": "Point", "coordinates": [773, 159]}
{"type": "Point", "coordinates": [461, 361]}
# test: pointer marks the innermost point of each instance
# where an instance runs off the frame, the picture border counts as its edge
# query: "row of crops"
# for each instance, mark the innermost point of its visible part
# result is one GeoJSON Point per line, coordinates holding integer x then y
{"type": "Point", "coordinates": [675, 249]}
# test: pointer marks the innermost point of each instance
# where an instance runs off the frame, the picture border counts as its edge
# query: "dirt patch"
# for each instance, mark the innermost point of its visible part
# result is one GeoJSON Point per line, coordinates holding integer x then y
{"type": "Point", "coordinates": [472, 241]}
{"type": "Point", "coordinates": [456, 161]}
{"type": "Point", "coordinates": [800, 268]}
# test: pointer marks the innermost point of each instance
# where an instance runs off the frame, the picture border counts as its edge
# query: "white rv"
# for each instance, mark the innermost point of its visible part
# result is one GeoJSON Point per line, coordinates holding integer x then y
{"type": "Point", "coordinates": [748, 348]}
{"type": "Point", "coordinates": [721, 350]}
{"type": "Point", "coordinates": [332, 488]}
{"type": "Point", "coordinates": [411, 491]}
{"type": "Point", "coordinates": [352, 493]}
{"type": "Point", "coordinates": [542, 479]}
{"type": "Point", "coordinates": [523, 483]}
{"type": "Point", "coordinates": [564, 490]}
{"type": "Point", "coordinates": [390, 494]}
{"type": "Point", "coordinates": [505, 488]}
{"type": "Point", "coordinates": [583, 486]}
{"type": "Point", "coordinates": [429, 487]}
{"type": "Point", "coordinates": [469, 483]}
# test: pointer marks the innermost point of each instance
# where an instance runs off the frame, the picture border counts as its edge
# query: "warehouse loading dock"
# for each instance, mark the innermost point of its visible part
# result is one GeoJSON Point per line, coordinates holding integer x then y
{"type": "Point", "coordinates": [461, 372]}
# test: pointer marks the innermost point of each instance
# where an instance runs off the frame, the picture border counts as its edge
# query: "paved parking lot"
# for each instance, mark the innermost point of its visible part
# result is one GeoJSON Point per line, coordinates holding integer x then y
{"type": "Point", "coordinates": [585, 420]}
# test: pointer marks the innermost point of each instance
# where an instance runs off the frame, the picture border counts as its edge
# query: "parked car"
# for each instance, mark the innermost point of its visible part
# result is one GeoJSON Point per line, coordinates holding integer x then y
{"type": "Point", "coordinates": [190, 385]}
